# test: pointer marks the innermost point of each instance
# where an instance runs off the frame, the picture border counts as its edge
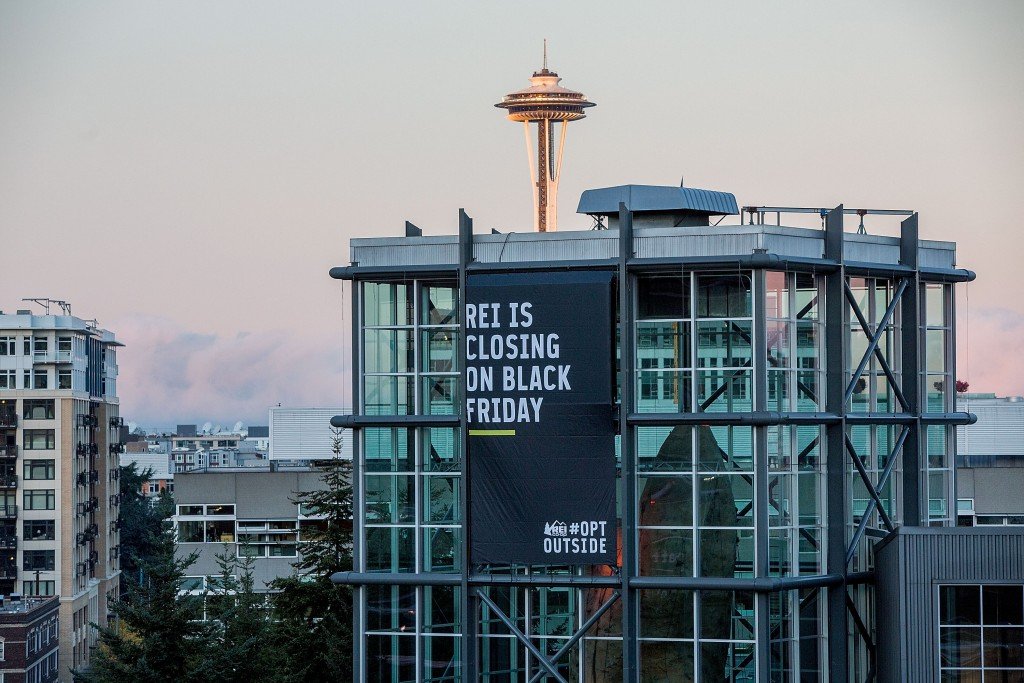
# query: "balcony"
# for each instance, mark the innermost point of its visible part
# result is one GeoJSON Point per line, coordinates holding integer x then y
{"type": "Point", "coordinates": [8, 452]}
{"type": "Point", "coordinates": [117, 447]}
{"type": "Point", "coordinates": [52, 357]}
{"type": "Point", "coordinates": [8, 570]}
{"type": "Point", "coordinates": [88, 421]}
{"type": "Point", "coordinates": [8, 418]}
{"type": "Point", "coordinates": [8, 481]}
{"type": "Point", "coordinates": [8, 542]}
{"type": "Point", "coordinates": [8, 511]}
{"type": "Point", "coordinates": [117, 422]}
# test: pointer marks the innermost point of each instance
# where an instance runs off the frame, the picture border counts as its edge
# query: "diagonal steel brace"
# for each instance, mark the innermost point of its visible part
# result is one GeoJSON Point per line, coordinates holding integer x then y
{"type": "Point", "coordinates": [587, 625]}
{"type": "Point", "coordinates": [875, 338]}
{"type": "Point", "coordinates": [882, 481]}
{"type": "Point", "coordinates": [859, 464]}
{"type": "Point", "coordinates": [864, 325]}
{"type": "Point", "coordinates": [520, 636]}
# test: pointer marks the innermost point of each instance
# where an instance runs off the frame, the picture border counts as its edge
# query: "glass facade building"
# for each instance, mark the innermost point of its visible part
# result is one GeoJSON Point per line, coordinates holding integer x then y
{"type": "Point", "coordinates": [785, 399]}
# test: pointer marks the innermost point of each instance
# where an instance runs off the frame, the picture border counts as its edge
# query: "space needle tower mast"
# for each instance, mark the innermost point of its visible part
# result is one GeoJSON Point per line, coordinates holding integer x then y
{"type": "Point", "coordinates": [545, 103]}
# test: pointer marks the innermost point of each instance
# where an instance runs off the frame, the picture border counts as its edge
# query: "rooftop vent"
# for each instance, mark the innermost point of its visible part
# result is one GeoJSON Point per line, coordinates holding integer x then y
{"type": "Point", "coordinates": [24, 311]}
{"type": "Point", "coordinates": [657, 205]}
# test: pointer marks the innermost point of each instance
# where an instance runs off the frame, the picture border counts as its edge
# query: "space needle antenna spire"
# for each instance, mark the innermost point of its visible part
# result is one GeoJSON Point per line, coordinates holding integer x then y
{"type": "Point", "coordinates": [544, 103]}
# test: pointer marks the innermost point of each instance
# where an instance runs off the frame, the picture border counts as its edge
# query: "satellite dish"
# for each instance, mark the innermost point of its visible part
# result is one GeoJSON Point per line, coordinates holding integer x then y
{"type": "Point", "coordinates": [207, 426]}
{"type": "Point", "coordinates": [217, 429]}
{"type": "Point", "coordinates": [238, 428]}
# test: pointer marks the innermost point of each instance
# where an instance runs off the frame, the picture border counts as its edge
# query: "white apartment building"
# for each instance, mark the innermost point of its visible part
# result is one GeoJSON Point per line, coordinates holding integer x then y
{"type": "Point", "coordinates": [59, 451]}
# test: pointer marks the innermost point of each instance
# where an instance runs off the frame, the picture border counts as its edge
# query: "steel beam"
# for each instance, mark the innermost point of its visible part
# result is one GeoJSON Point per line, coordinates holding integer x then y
{"type": "Point", "coordinates": [468, 608]}
{"type": "Point", "coordinates": [882, 481]}
{"type": "Point", "coordinates": [874, 339]}
{"type": "Point", "coordinates": [582, 631]}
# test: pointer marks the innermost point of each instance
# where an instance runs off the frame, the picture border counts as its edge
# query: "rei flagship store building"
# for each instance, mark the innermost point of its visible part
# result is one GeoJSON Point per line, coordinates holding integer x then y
{"type": "Point", "coordinates": [690, 444]}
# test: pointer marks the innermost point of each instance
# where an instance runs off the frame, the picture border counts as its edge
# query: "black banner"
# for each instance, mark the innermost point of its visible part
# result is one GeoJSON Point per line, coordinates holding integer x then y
{"type": "Point", "coordinates": [538, 353]}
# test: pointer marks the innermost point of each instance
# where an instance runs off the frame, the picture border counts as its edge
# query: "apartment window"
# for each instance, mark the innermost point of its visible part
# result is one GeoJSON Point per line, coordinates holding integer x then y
{"type": "Point", "coordinates": [40, 469]}
{"type": "Point", "coordinates": [8, 379]}
{"type": "Point", "coordinates": [41, 499]}
{"type": "Point", "coordinates": [64, 344]}
{"type": "Point", "coordinates": [220, 531]}
{"type": "Point", "coordinates": [63, 379]}
{"type": "Point", "coordinates": [980, 632]}
{"type": "Point", "coordinates": [38, 439]}
{"type": "Point", "coordinates": [43, 560]}
{"type": "Point", "coordinates": [40, 529]}
{"type": "Point", "coordinates": [34, 589]}
{"type": "Point", "coordinates": [39, 379]}
{"type": "Point", "coordinates": [220, 509]}
{"type": "Point", "coordinates": [7, 346]}
{"type": "Point", "coordinates": [26, 346]}
{"type": "Point", "coordinates": [190, 532]}
{"type": "Point", "coordinates": [38, 409]}
{"type": "Point", "coordinates": [3, 653]}
{"type": "Point", "coordinates": [267, 538]}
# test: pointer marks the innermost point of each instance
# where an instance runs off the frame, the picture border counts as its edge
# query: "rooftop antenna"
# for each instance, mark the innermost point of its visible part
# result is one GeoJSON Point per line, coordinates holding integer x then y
{"type": "Point", "coordinates": [45, 302]}
{"type": "Point", "coordinates": [545, 54]}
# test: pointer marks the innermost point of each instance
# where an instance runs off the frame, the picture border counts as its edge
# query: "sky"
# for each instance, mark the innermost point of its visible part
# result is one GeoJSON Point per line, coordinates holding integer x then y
{"type": "Point", "coordinates": [188, 172]}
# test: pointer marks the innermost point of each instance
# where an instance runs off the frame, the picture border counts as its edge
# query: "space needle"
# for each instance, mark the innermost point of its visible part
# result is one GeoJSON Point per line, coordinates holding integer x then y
{"type": "Point", "coordinates": [544, 103]}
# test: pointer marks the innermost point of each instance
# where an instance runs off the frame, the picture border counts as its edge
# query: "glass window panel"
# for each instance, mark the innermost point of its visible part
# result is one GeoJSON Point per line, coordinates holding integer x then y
{"type": "Point", "coordinates": [390, 608]}
{"type": "Point", "coordinates": [442, 549]}
{"type": "Point", "coordinates": [776, 295]}
{"type": "Point", "coordinates": [190, 532]}
{"type": "Point", "coordinates": [440, 304]}
{"type": "Point", "coordinates": [389, 499]}
{"type": "Point", "coordinates": [723, 296]}
{"type": "Point", "coordinates": [663, 345]}
{"type": "Point", "coordinates": [666, 552]}
{"type": "Point", "coordinates": [391, 658]}
{"type": "Point", "coordinates": [386, 304]}
{"type": "Point", "coordinates": [666, 613]}
{"type": "Point", "coordinates": [441, 659]}
{"type": "Point", "coordinates": [665, 661]}
{"type": "Point", "coordinates": [810, 492]}
{"type": "Point", "coordinates": [602, 660]}
{"type": "Point", "coordinates": [553, 611]}
{"type": "Point", "coordinates": [726, 615]}
{"type": "Point", "coordinates": [726, 552]}
{"type": "Point", "coordinates": [665, 449]}
{"type": "Point", "coordinates": [727, 391]}
{"type": "Point", "coordinates": [936, 446]}
{"type": "Point", "coordinates": [665, 500]}
{"type": "Point", "coordinates": [780, 552]}
{"type": "Point", "coordinates": [808, 391]}
{"type": "Point", "coordinates": [780, 503]}
{"type": "Point", "coordinates": [723, 344]}
{"type": "Point", "coordinates": [440, 394]}
{"type": "Point", "coordinates": [220, 531]}
{"type": "Point", "coordinates": [809, 551]}
{"type": "Point", "coordinates": [780, 390]}
{"type": "Point", "coordinates": [959, 605]}
{"type": "Point", "coordinates": [440, 450]}
{"type": "Point", "coordinates": [1004, 605]}
{"type": "Point", "coordinates": [388, 395]}
{"type": "Point", "coordinates": [1004, 647]}
{"type": "Point", "coordinates": [806, 296]}
{"type": "Point", "coordinates": [388, 449]}
{"type": "Point", "coordinates": [664, 391]}
{"type": "Point", "coordinates": [441, 609]}
{"type": "Point", "coordinates": [441, 500]}
{"type": "Point", "coordinates": [390, 549]}
{"type": "Point", "coordinates": [935, 305]}
{"type": "Point", "coordinates": [725, 449]}
{"type": "Point", "coordinates": [439, 350]}
{"type": "Point", "coordinates": [960, 647]}
{"type": "Point", "coordinates": [935, 349]}
{"type": "Point", "coordinates": [663, 296]}
{"type": "Point", "coordinates": [388, 351]}
{"type": "Point", "coordinates": [777, 344]}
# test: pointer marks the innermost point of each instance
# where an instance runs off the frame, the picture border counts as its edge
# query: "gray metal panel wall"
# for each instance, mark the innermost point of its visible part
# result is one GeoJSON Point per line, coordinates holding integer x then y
{"type": "Point", "coordinates": [909, 566]}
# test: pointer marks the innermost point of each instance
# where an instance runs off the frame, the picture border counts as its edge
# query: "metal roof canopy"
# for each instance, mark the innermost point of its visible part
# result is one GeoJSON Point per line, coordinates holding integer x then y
{"type": "Point", "coordinates": [662, 198]}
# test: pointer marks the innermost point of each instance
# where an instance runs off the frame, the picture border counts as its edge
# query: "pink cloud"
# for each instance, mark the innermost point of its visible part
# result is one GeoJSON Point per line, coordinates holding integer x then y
{"type": "Point", "coordinates": [169, 374]}
{"type": "Point", "coordinates": [989, 343]}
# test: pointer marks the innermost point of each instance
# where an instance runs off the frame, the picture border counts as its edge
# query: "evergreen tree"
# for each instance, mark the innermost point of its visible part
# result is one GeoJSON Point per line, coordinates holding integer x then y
{"type": "Point", "coordinates": [313, 617]}
{"type": "Point", "coordinates": [158, 635]}
{"type": "Point", "coordinates": [243, 631]}
{"type": "Point", "coordinates": [141, 522]}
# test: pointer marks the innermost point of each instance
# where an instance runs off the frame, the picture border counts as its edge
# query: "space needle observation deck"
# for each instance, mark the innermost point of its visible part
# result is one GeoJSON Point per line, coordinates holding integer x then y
{"type": "Point", "coordinates": [544, 103]}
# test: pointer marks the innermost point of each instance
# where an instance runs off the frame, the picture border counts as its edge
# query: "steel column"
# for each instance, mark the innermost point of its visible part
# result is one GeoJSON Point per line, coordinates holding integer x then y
{"type": "Point", "coordinates": [358, 592]}
{"type": "Point", "coordinates": [759, 347]}
{"type": "Point", "coordinates": [468, 608]}
{"type": "Point", "coordinates": [912, 380]}
{"type": "Point", "coordinates": [630, 613]}
{"type": "Point", "coordinates": [835, 438]}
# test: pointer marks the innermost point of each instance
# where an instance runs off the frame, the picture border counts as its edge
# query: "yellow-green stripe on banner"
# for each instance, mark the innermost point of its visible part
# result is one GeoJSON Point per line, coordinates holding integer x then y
{"type": "Point", "coordinates": [492, 432]}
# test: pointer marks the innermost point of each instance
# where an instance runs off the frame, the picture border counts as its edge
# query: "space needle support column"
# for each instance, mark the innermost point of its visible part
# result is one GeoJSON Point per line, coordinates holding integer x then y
{"type": "Point", "coordinates": [543, 150]}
